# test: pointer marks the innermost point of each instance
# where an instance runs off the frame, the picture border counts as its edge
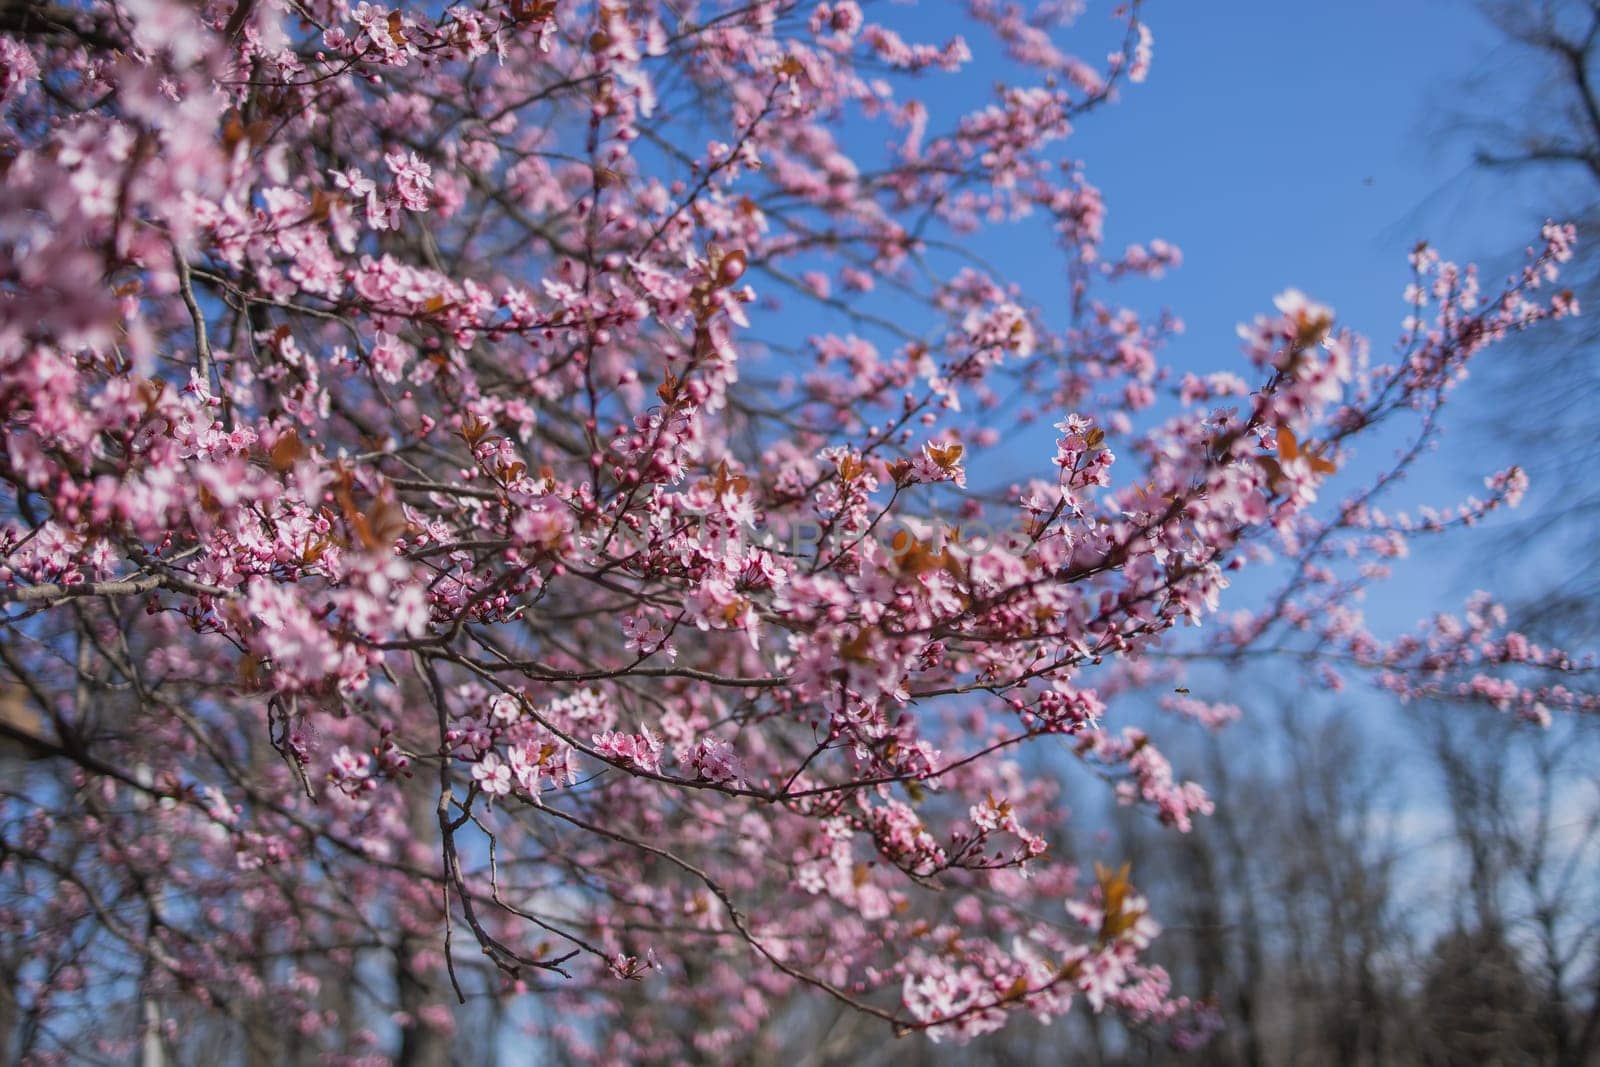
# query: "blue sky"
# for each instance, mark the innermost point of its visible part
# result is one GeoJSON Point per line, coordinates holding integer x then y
{"type": "Point", "coordinates": [1297, 144]}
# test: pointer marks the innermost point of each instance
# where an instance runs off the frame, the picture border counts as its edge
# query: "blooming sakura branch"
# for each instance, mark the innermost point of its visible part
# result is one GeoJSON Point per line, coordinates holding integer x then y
{"type": "Point", "coordinates": [494, 508]}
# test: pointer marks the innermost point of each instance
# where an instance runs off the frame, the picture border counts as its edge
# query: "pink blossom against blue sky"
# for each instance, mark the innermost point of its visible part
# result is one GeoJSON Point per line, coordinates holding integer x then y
{"type": "Point", "coordinates": [1309, 145]}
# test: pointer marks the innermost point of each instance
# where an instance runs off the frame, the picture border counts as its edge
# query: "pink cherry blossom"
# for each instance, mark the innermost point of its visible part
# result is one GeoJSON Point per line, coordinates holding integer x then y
{"type": "Point", "coordinates": [493, 775]}
{"type": "Point", "coordinates": [501, 501]}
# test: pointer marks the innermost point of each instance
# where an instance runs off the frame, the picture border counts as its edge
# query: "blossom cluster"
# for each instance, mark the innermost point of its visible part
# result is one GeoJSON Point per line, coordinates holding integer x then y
{"type": "Point", "coordinates": [469, 481]}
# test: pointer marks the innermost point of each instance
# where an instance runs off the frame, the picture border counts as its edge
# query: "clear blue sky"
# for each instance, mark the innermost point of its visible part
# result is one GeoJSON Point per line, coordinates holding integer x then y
{"type": "Point", "coordinates": [1297, 143]}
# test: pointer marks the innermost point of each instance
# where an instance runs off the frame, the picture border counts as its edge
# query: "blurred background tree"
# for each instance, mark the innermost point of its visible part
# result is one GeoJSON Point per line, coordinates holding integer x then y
{"type": "Point", "coordinates": [1531, 119]}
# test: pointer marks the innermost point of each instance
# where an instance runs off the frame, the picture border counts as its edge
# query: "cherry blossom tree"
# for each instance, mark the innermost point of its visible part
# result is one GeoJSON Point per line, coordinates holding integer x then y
{"type": "Point", "coordinates": [474, 523]}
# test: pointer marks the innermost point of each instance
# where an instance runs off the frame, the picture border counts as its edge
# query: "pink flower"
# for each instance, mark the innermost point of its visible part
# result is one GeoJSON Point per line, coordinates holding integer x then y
{"type": "Point", "coordinates": [716, 761]}
{"type": "Point", "coordinates": [492, 775]}
{"type": "Point", "coordinates": [412, 179]}
{"type": "Point", "coordinates": [641, 751]}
